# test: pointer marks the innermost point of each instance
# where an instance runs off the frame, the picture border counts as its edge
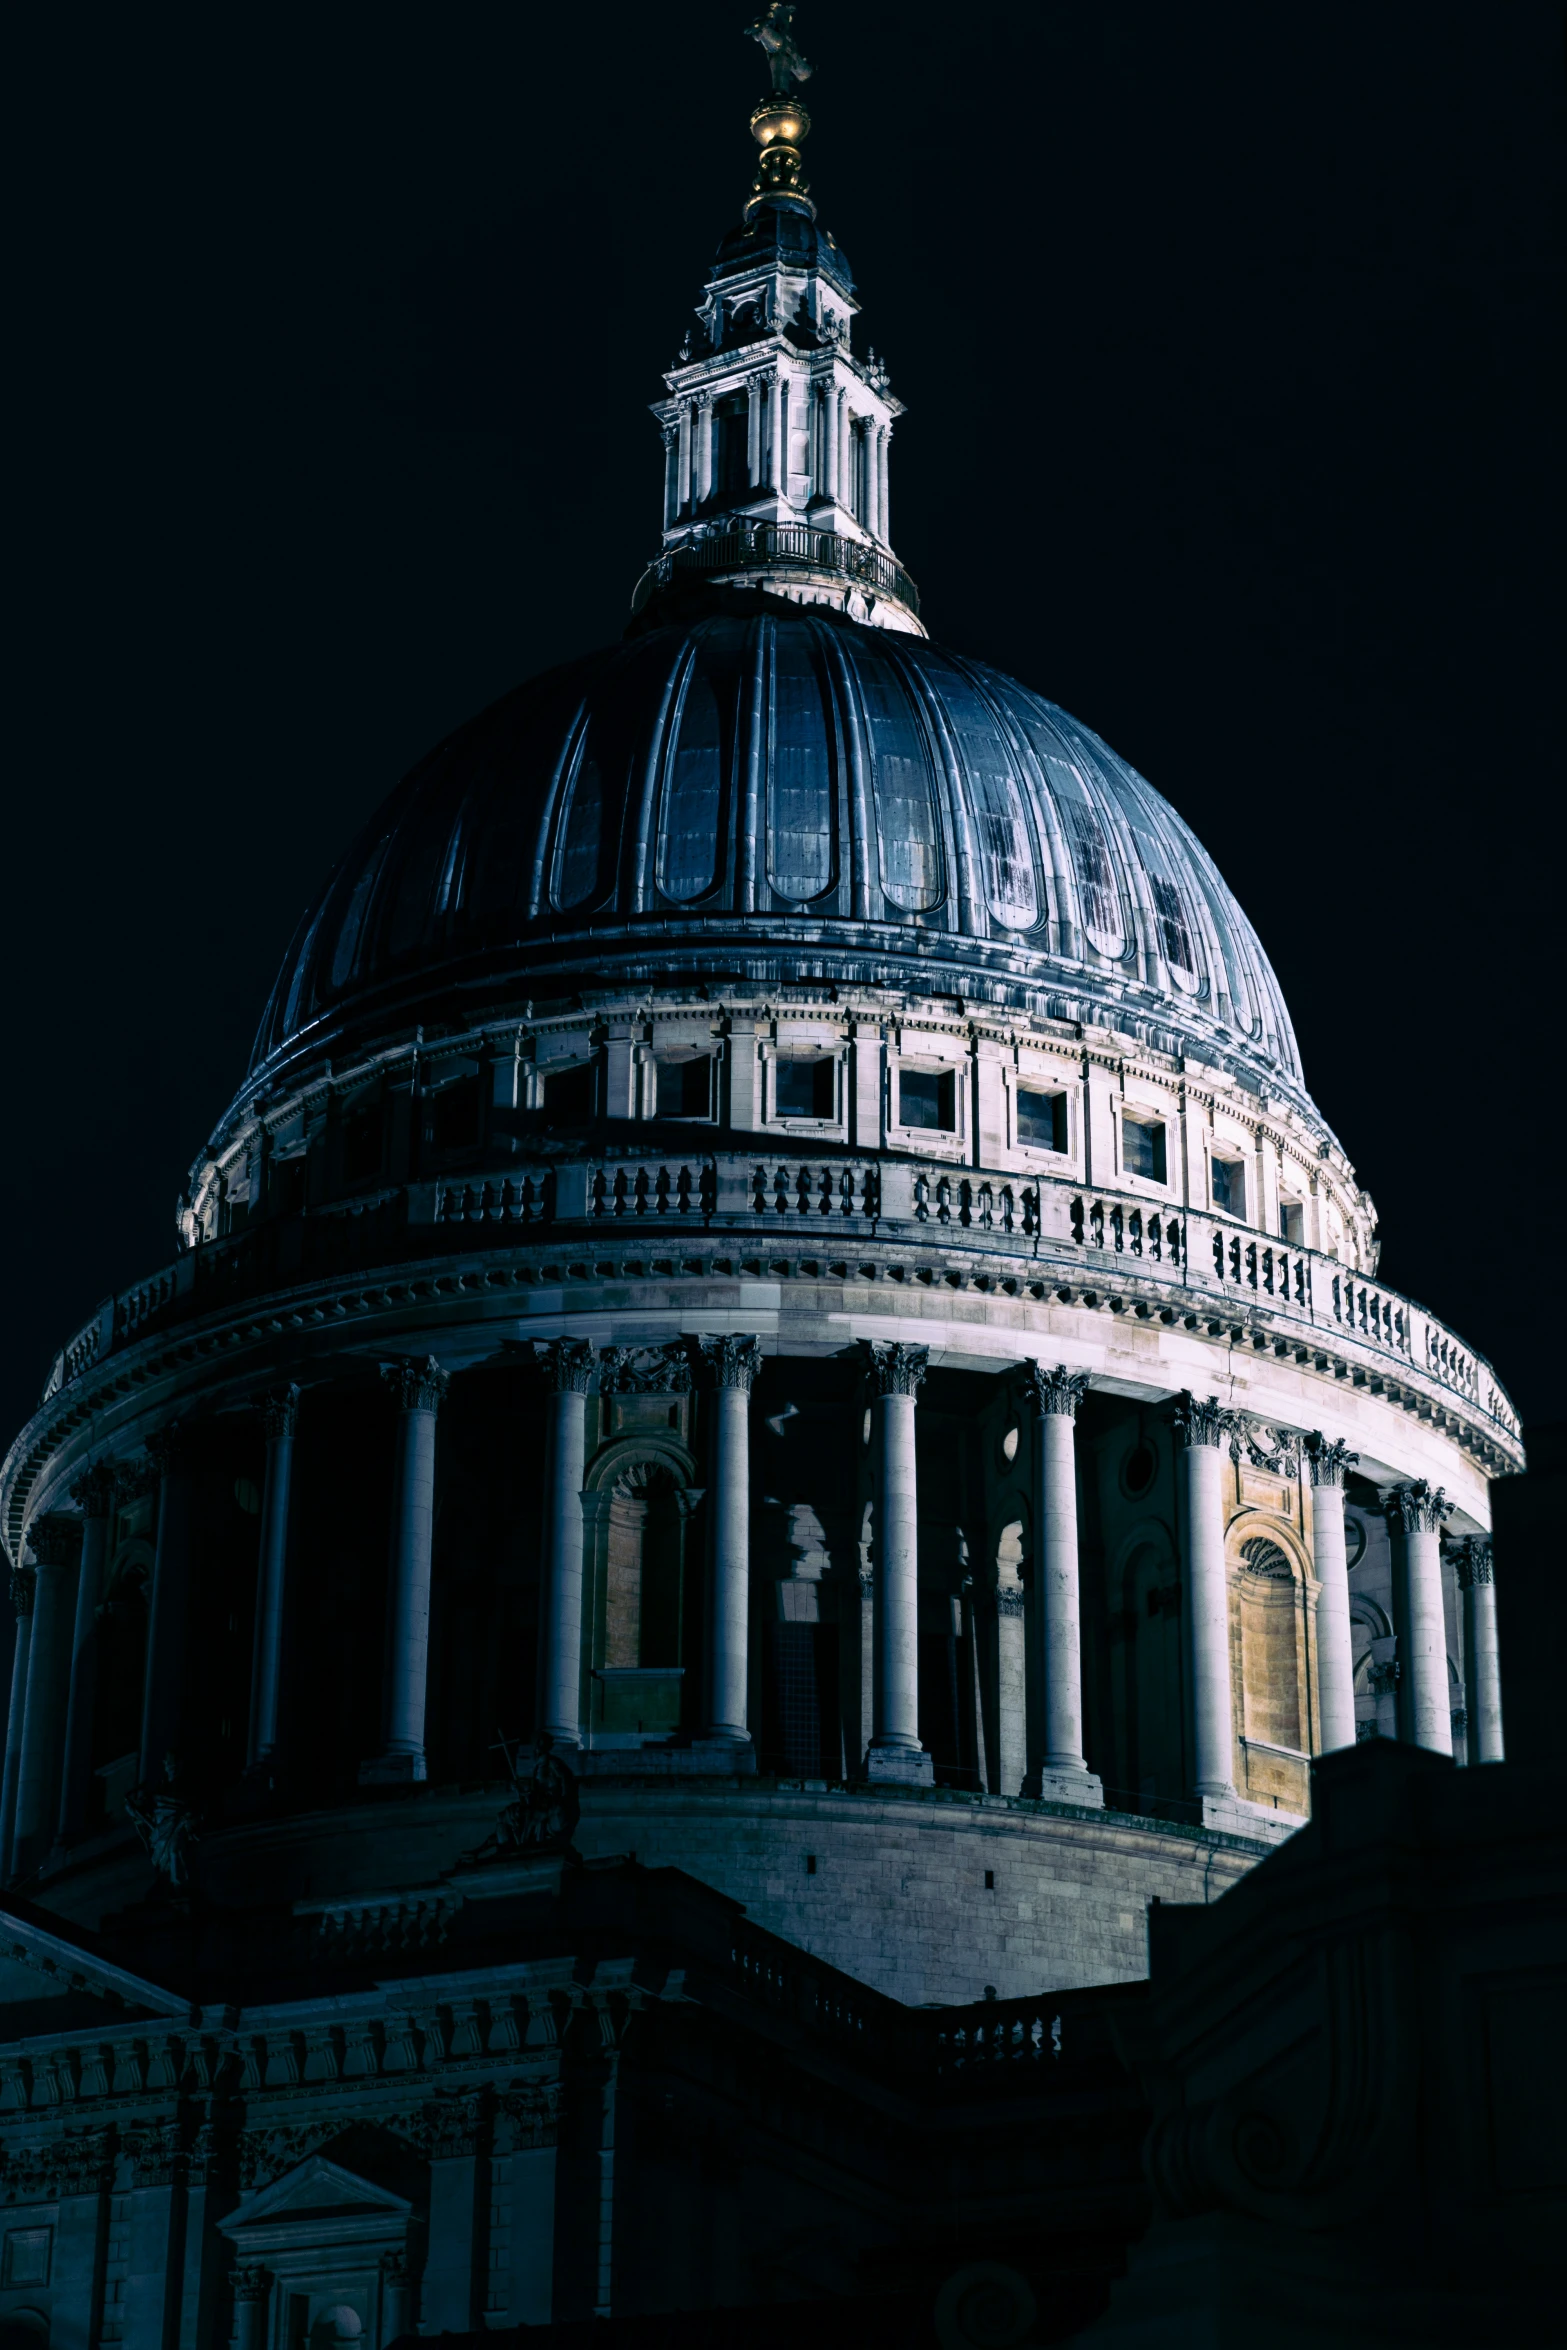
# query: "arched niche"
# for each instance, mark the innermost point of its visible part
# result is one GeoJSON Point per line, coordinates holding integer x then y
{"type": "Point", "coordinates": [1272, 1665]}
{"type": "Point", "coordinates": [643, 1569]}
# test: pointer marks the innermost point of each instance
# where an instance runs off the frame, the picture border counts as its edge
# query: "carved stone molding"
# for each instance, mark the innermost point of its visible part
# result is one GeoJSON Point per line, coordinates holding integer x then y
{"type": "Point", "coordinates": [1059, 1391]}
{"type": "Point", "coordinates": [1473, 1558]}
{"type": "Point", "coordinates": [730, 1362]}
{"type": "Point", "coordinates": [895, 1368]}
{"type": "Point", "coordinates": [98, 1489]}
{"type": "Point", "coordinates": [1383, 1679]}
{"type": "Point", "coordinates": [250, 2281]}
{"type": "Point", "coordinates": [1011, 1603]}
{"type": "Point", "coordinates": [278, 1409]}
{"type": "Point", "coordinates": [1207, 1423]}
{"type": "Point", "coordinates": [56, 1541]}
{"type": "Point", "coordinates": [1327, 1462]}
{"type": "Point", "coordinates": [1274, 1449]}
{"type": "Point", "coordinates": [1417, 1508]}
{"type": "Point", "coordinates": [567, 1363]}
{"type": "Point", "coordinates": [646, 1370]}
{"type": "Point", "coordinates": [418, 1386]}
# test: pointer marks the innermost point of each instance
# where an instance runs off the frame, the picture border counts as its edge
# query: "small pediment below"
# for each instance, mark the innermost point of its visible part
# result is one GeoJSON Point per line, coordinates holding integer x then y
{"type": "Point", "coordinates": [49, 1983]}
{"type": "Point", "coordinates": [316, 2188]}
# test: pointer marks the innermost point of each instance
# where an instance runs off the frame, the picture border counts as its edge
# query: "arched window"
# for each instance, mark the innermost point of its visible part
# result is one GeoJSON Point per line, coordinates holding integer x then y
{"type": "Point", "coordinates": [1274, 1719]}
{"type": "Point", "coordinates": [645, 1569]}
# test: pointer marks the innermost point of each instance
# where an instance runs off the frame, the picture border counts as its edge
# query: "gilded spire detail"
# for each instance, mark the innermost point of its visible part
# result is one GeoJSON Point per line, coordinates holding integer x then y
{"type": "Point", "coordinates": [780, 124]}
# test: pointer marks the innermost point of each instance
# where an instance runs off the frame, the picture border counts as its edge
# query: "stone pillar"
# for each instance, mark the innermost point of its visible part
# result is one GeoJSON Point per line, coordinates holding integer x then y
{"type": "Point", "coordinates": [778, 403]}
{"type": "Point", "coordinates": [684, 458]}
{"type": "Point", "coordinates": [23, 1588]}
{"type": "Point", "coordinates": [1064, 1775]}
{"type": "Point", "coordinates": [753, 431]}
{"type": "Point", "coordinates": [671, 474]}
{"type": "Point", "coordinates": [396, 2298]}
{"type": "Point", "coordinates": [1335, 1646]}
{"type": "Point", "coordinates": [567, 1363]}
{"type": "Point", "coordinates": [96, 1495]}
{"type": "Point", "coordinates": [731, 1365]}
{"type": "Point", "coordinates": [895, 1751]}
{"type": "Point", "coordinates": [250, 2283]}
{"type": "Point", "coordinates": [278, 1412]}
{"type": "Point", "coordinates": [1414, 1517]}
{"type": "Point", "coordinates": [1482, 1657]}
{"type": "Point", "coordinates": [164, 1685]}
{"type": "Point", "coordinates": [883, 528]}
{"type": "Point", "coordinates": [419, 1388]}
{"type": "Point", "coordinates": [702, 475]}
{"type": "Point", "coordinates": [56, 1543]}
{"type": "Point", "coordinates": [1011, 1684]}
{"type": "Point", "coordinates": [1201, 1429]}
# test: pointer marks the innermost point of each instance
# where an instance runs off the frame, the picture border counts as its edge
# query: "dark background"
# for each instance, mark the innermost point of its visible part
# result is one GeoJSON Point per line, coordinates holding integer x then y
{"type": "Point", "coordinates": [1232, 345]}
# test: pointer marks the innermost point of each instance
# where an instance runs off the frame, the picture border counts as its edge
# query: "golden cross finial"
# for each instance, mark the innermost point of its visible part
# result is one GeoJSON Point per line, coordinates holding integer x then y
{"type": "Point", "coordinates": [772, 31]}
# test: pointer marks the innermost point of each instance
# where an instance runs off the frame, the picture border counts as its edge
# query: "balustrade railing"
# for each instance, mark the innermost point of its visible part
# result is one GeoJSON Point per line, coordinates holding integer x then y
{"type": "Point", "coordinates": [1198, 1260]}
{"type": "Point", "coordinates": [788, 545]}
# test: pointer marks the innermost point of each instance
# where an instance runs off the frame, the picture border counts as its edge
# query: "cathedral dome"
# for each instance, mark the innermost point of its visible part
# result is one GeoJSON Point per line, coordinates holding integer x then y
{"type": "Point", "coordinates": [765, 792]}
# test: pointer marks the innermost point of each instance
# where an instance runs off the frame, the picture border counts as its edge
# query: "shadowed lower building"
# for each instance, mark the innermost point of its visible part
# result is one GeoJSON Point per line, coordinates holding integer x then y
{"type": "Point", "coordinates": [774, 1240]}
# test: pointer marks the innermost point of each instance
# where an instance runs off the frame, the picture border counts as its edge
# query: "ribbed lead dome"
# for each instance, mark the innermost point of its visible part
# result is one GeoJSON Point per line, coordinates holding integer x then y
{"type": "Point", "coordinates": [765, 793]}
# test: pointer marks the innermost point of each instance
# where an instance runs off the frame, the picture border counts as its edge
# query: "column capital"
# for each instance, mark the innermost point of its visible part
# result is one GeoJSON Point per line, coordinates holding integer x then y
{"type": "Point", "coordinates": [895, 1368]}
{"type": "Point", "coordinates": [1059, 1391]}
{"type": "Point", "coordinates": [56, 1541]}
{"type": "Point", "coordinates": [1473, 1559]}
{"type": "Point", "coordinates": [168, 1449]}
{"type": "Point", "coordinates": [418, 1386]}
{"type": "Point", "coordinates": [646, 1370]}
{"type": "Point", "coordinates": [98, 1489]}
{"type": "Point", "coordinates": [567, 1363]}
{"type": "Point", "coordinates": [24, 1586]}
{"type": "Point", "coordinates": [250, 2281]}
{"type": "Point", "coordinates": [1417, 1508]}
{"type": "Point", "coordinates": [1326, 1461]}
{"type": "Point", "coordinates": [1202, 1423]}
{"type": "Point", "coordinates": [1384, 1678]}
{"type": "Point", "coordinates": [278, 1408]}
{"type": "Point", "coordinates": [1010, 1602]}
{"type": "Point", "coordinates": [729, 1361]}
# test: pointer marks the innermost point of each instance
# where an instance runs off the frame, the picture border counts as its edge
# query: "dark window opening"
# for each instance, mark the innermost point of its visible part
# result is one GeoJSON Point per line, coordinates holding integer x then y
{"type": "Point", "coordinates": [990, 1880]}
{"type": "Point", "coordinates": [1041, 1119]}
{"type": "Point", "coordinates": [287, 1183]}
{"type": "Point", "coordinates": [731, 425]}
{"type": "Point", "coordinates": [685, 1088]}
{"type": "Point", "coordinates": [568, 1093]}
{"type": "Point", "coordinates": [1142, 1147]}
{"type": "Point", "coordinates": [1229, 1186]}
{"type": "Point", "coordinates": [454, 1116]}
{"type": "Point", "coordinates": [800, 1731]}
{"type": "Point", "coordinates": [803, 1089]}
{"type": "Point", "coordinates": [928, 1097]}
{"type": "Point", "coordinates": [363, 1132]}
{"type": "Point", "coordinates": [1292, 1222]}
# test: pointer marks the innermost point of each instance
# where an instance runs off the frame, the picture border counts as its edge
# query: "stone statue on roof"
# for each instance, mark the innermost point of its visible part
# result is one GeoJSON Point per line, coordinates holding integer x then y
{"type": "Point", "coordinates": [772, 30]}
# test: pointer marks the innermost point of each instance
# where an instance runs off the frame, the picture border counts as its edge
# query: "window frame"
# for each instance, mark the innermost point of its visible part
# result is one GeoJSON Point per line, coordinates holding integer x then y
{"type": "Point", "coordinates": [941, 1142]}
{"type": "Point", "coordinates": [833, 1128]}
{"type": "Point", "coordinates": [1237, 1166]}
{"type": "Point", "coordinates": [1161, 1124]}
{"type": "Point", "coordinates": [1020, 1081]}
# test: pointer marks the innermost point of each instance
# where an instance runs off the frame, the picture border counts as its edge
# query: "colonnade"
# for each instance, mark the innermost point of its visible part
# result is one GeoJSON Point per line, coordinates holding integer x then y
{"type": "Point", "coordinates": [691, 458]}
{"type": "Point", "coordinates": [58, 1596]}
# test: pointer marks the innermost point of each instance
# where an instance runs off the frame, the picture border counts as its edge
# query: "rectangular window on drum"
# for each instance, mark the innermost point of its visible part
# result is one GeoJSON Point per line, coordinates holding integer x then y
{"type": "Point", "coordinates": [1041, 1118]}
{"type": "Point", "coordinates": [1142, 1149]}
{"type": "Point", "coordinates": [1292, 1223]}
{"type": "Point", "coordinates": [685, 1088]}
{"type": "Point", "coordinates": [1229, 1187]}
{"type": "Point", "coordinates": [928, 1097]}
{"type": "Point", "coordinates": [803, 1088]}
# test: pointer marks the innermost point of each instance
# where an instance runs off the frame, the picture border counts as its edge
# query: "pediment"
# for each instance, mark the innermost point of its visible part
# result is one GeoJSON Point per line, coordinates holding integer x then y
{"type": "Point", "coordinates": [52, 1983]}
{"type": "Point", "coordinates": [316, 2188]}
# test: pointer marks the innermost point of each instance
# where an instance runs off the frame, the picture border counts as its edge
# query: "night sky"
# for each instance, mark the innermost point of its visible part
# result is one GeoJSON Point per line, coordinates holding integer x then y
{"type": "Point", "coordinates": [1232, 344]}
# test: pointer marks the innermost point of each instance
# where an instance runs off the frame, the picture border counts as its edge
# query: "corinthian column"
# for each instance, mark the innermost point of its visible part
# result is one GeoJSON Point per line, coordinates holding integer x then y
{"type": "Point", "coordinates": [419, 1388]}
{"type": "Point", "coordinates": [1414, 1517]}
{"type": "Point", "coordinates": [1064, 1775]}
{"type": "Point", "coordinates": [95, 1495]}
{"type": "Point", "coordinates": [702, 470]}
{"type": "Point", "coordinates": [56, 1543]}
{"type": "Point", "coordinates": [778, 412]}
{"type": "Point", "coordinates": [1335, 1648]}
{"type": "Point", "coordinates": [1482, 1657]}
{"type": "Point", "coordinates": [567, 1364]}
{"type": "Point", "coordinates": [731, 1365]}
{"type": "Point", "coordinates": [1201, 1428]}
{"type": "Point", "coordinates": [278, 1412]}
{"type": "Point", "coordinates": [895, 1751]}
{"type": "Point", "coordinates": [23, 1585]}
{"type": "Point", "coordinates": [164, 1687]}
